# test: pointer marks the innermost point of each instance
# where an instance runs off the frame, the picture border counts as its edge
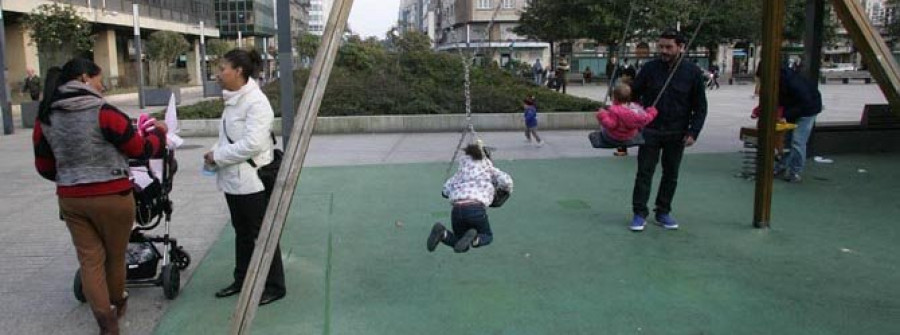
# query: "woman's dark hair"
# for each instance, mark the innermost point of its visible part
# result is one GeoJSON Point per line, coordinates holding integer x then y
{"type": "Point", "coordinates": [474, 151]}
{"type": "Point", "coordinates": [57, 77]}
{"type": "Point", "coordinates": [248, 61]}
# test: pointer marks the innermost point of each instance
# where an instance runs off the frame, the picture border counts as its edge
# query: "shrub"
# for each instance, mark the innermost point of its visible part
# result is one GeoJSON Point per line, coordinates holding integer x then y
{"type": "Point", "coordinates": [367, 79]}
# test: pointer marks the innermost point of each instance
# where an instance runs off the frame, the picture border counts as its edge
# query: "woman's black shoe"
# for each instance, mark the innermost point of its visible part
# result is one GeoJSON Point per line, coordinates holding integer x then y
{"type": "Point", "coordinates": [231, 290]}
{"type": "Point", "coordinates": [269, 297]}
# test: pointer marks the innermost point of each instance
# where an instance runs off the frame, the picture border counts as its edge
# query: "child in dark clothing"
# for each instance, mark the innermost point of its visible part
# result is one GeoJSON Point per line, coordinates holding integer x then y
{"type": "Point", "coordinates": [531, 121]}
{"type": "Point", "coordinates": [470, 191]}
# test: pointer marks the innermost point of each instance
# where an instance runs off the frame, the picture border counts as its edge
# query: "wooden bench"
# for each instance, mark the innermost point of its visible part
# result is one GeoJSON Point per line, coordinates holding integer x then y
{"type": "Point", "coordinates": [877, 131]}
{"type": "Point", "coordinates": [846, 76]}
{"type": "Point", "coordinates": [577, 77]}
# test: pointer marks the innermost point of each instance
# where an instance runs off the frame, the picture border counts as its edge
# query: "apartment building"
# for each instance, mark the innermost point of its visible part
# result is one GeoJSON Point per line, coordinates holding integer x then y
{"type": "Point", "coordinates": [113, 21]}
{"type": "Point", "coordinates": [318, 16]}
{"type": "Point", "coordinates": [467, 24]}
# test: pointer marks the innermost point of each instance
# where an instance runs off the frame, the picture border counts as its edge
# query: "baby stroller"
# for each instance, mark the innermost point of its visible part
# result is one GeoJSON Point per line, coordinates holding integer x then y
{"type": "Point", "coordinates": [152, 181]}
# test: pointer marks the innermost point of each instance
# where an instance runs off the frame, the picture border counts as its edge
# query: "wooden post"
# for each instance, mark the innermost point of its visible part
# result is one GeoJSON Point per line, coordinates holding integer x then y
{"type": "Point", "coordinates": [875, 52]}
{"type": "Point", "coordinates": [773, 25]}
{"type": "Point", "coordinates": [286, 183]}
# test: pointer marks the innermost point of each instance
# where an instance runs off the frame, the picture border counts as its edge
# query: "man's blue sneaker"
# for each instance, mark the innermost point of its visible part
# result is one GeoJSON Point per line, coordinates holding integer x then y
{"type": "Point", "coordinates": [637, 223]}
{"type": "Point", "coordinates": [667, 221]}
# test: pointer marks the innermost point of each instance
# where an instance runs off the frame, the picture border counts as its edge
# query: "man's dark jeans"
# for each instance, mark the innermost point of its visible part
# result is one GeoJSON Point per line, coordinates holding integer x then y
{"type": "Point", "coordinates": [671, 147]}
{"type": "Point", "coordinates": [469, 216]}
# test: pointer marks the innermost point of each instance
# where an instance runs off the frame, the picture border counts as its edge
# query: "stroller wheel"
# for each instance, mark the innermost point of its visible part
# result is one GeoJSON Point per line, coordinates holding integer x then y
{"type": "Point", "coordinates": [171, 281]}
{"type": "Point", "coordinates": [181, 258]}
{"type": "Point", "coordinates": [77, 287]}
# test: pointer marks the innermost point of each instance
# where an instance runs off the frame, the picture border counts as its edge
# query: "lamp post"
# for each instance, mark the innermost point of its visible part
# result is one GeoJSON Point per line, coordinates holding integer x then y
{"type": "Point", "coordinates": [138, 53]}
{"type": "Point", "coordinates": [203, 74]}
{"type": "Point", "coordinates": [8, 127]}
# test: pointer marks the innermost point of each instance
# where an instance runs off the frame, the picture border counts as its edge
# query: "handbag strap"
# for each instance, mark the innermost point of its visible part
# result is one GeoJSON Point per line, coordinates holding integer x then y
{"type": "Point", "coordinates": [249, 160]}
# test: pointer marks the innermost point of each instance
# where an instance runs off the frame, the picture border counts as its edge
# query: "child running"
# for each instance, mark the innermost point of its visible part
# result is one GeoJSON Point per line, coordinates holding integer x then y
{"type": "Point", "coordinates": [624, 119]}
{"type": "Point", "coordinates": [470, 191]}
{"type": "Point", "coordinates": [531, 121]}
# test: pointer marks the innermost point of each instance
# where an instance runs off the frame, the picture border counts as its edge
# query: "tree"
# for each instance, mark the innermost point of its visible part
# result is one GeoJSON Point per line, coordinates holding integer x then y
{"type": "Point", "coordinates": [724, 21]}
{"type": "Point", "coordinates": [58, 32]}
{"type": "Point", "coordinates": [307, 44]}
{"type": "Point", "coordinates": [162, 49]}
{"type": "Point", "coordinates": [217, 48]}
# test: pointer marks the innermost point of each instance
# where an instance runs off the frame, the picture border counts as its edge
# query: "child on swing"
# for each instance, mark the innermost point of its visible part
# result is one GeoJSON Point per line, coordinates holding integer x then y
{"type": "Point", "coordinates": [624, 119]}
{"type": "Point", "coordinates": [471, 190]}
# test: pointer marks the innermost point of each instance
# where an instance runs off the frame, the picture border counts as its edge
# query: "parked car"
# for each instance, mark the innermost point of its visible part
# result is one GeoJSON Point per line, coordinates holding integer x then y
{"type": "Point", "coordinates": [838, 67]}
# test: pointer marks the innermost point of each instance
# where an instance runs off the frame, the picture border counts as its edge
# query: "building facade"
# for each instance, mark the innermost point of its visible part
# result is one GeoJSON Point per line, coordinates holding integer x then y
{"type": "Point", "coordinates": [318, 16]}
{"type": "Point", "coordinates": [113, 47]}
{"type": "Point", "coordinates": [485, 27]}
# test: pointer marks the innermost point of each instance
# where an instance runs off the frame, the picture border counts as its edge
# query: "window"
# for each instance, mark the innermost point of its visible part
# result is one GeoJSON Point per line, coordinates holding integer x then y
{"type": "Point", "coordinates": [483, 4]}
{"type": "Point", "coordinates": [507, 4]}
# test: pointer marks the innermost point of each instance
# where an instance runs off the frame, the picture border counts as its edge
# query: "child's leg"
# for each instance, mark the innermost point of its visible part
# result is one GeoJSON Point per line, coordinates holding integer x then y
{"type": "Point", "coordinates": [466, 218]}
{"type": "Point", "coordinates": [528, 134]}
{"type": "Point", "coordinates": [535, 134]}
{"type": "Point", "coordinates": [483, 227]}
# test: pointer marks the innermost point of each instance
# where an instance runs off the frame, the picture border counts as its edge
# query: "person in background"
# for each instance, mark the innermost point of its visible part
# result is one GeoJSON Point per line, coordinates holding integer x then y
{"type": "Point", "coordinates": [32, 85]}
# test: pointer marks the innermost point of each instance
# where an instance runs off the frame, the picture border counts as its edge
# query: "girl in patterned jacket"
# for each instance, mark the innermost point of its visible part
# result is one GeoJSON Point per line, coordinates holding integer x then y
{"type": "Point", "coordinates": [470, 191]}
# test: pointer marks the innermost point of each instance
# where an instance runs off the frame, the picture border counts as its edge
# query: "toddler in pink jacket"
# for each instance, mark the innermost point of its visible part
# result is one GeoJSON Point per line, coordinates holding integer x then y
{"type": "Point", "coordinates": [624, 119]}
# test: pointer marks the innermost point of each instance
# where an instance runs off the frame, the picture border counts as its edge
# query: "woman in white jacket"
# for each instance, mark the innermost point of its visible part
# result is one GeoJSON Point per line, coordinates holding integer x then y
{"type": "Point", "coordinates": [244, 137]}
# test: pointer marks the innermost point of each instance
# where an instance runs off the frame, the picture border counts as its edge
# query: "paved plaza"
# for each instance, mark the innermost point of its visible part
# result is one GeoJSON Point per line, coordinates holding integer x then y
{"type": "Point", "coordinates": [38, 260]}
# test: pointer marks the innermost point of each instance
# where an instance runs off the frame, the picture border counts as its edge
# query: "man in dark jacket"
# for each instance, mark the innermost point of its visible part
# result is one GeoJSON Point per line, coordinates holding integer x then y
{"type": "Point", "coordinates": [802, 101]}
{"type": "Point", "coordinates": [682, 111]}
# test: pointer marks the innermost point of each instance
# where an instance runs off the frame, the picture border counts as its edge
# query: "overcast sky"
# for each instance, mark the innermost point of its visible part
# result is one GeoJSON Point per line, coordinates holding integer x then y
{"type": "Point", "coordinates": [373, 17]}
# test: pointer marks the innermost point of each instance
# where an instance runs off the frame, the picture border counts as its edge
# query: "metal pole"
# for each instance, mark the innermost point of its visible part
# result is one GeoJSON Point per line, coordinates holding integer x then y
{"type": "Point", "coordinates": [138, 53]}
{"type": "Point", "coordinates": [773, 25]}
{"type": "Point", "coordinates": [240, 40]}
{"type": "Point", "coordinates": [8, 126]}
{"type": "Point", "coordinates": [285, 69]}
{"type": "Point", "coordinates": [204, 76]}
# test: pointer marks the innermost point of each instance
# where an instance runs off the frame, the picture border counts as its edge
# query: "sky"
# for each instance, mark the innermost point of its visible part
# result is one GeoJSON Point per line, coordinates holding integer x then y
{"type": "Point", "coordinates": [373, 17]}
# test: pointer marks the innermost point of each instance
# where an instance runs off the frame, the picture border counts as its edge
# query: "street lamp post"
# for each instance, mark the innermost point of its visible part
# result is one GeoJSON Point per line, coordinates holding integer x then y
{"type": "Point", "coordinates": [8, 127]}
{"type": "Point", "coordinates": [138, 53]}
{"type": "Point", "coordinates": [203, 74]}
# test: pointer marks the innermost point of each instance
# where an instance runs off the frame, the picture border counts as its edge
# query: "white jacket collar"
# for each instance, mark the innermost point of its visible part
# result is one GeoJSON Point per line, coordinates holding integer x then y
{"type": "Point", "coordinates": [231, 97]}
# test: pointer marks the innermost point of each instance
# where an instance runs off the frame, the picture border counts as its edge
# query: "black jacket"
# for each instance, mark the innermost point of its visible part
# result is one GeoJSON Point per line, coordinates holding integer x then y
{"type": "Point", "coordinates": [799, 96]}
{"type": "Point", "coordinates": [682, 108]}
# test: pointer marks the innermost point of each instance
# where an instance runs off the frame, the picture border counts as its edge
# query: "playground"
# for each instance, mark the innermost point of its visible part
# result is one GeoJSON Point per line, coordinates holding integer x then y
{"type": "Point", "coordinates": [563, 261]}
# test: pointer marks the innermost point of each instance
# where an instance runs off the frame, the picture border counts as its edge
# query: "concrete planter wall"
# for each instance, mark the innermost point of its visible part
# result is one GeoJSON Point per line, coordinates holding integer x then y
{"type": "Point", "coordinates": [415, 123]}
{"type": "Point", "coordinates": [160, 96]}
{"type": "Point", "coordinates": [213, 89]}
{"type": "Point", "coordinates": [29, 113]}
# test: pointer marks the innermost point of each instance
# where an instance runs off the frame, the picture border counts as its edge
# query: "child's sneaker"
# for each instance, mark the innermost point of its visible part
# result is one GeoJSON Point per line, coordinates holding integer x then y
{"type": "Point", "coordinates": [637, 223]}
{"type": "Point", "coordinates": [540, 144]}
{"type": "Point", "coordinates": [667, 221]}
{"type": "Point", "coordinates": [464, 242]}
{"type": "Point", "coordinates": [438, 232]}
{"type": "Point", "coordinates": [620, 153]}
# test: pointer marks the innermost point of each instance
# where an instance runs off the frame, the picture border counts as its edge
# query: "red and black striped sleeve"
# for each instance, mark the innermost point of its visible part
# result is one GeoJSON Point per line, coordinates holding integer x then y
{"type": "Point", "coordinates": [44, 160]}
{"type": "Point", "coordinates": [118, 130]}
